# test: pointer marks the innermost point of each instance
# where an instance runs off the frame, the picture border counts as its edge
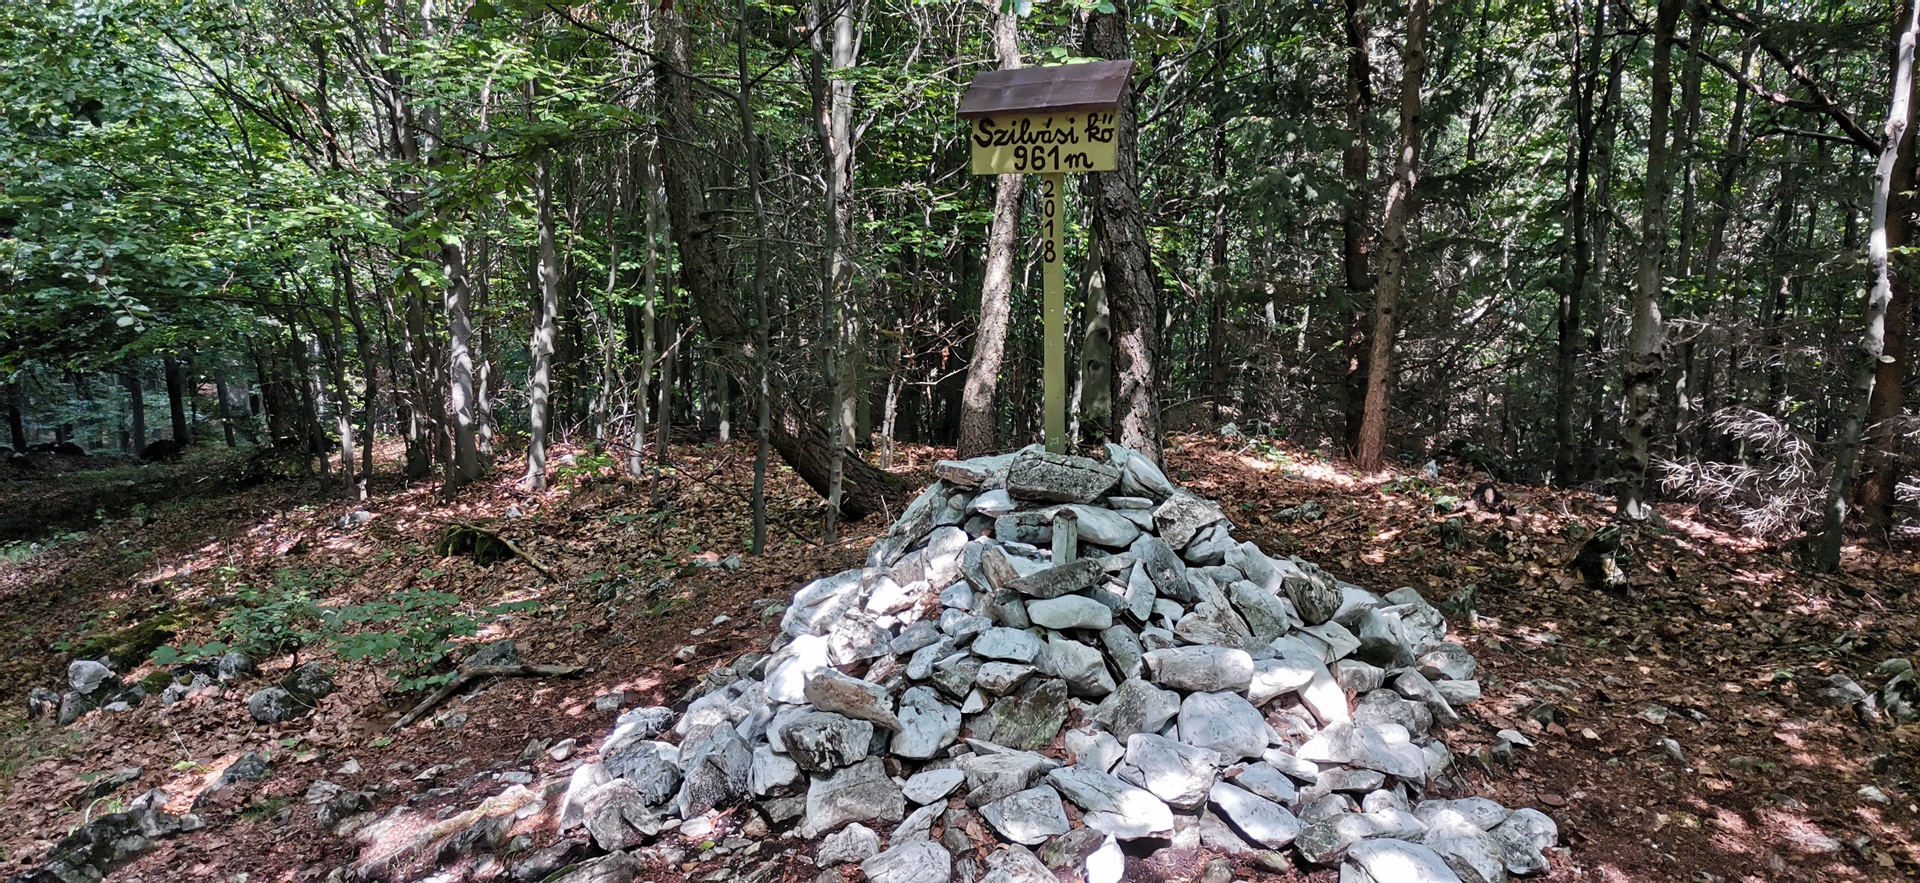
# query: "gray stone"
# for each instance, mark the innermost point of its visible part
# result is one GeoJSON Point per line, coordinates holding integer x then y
{"type": "Point", "coordinates": [1523, 837]}
{"type": "Point", "coordinates": [967, 473]}
{"type": "Point", "coordinates": [1224, 723]}
{"type": "Point", "coordinates": [819, 603]}
{"type": "Point", "coordinates": [1008, 644]}
{"type": "Point", "coordinates": [42, 702]}
{"type": "Point", "coordinates": [1210, 546]}
{"type": "Point", "coordinates": [1383, 639]}
{"type": "Point", "coordinates": [1395, 861]}
{"type": "Point", "coordinates": [921, 861]}
{"type": "Point", "coordinates": [927, 786]}
{"type": "Point", "coordinates": [1325, 842]}
{"type": "Point", "coordinates": [1032, 527]}
{"type": "Point", "coordinates": [954, 675]}
{"type": "Point", "coordinates": [1081, 666]}
{"type": "Point", "coordinates": [829, 690]}
{"type": "Point", "coordinates": [1104, 527]}
{"type": "Point", "coordinates": [1254, 565]}
{"type": "Point", "coordinates": [1064, 579]}
{"type": "Point", "coordinates": [993, 503]}
{"type": "Point", "coordinates": [1481, 812]}
{"type": "Point", "coordinates": [1447, 661]}
{"type": "Point", "coordinates": [993, 776]}
{"type": "Point", "coordinates": [618, 818]}
{"type": "Point", "coordinates": [715, 772]}
{"type": "Point", "coordinates": [1266, 781]}
{"type": "Point", "coordinates": [1262, 820]}
{"type": "Point", "coordinates": [1142, 477]}
{"type": "Point", "coordinates": [1112, 806]}
{"type": "Point", "coordinates": [1339, 642]}
{"type": "Point", "coordinates": [1095, 749]}
{"type": "Point", "coordinates": [1352, 781]}
{"type": "Point", "coordinates": [1326, 699]}
{"type": "Point", "coordinates": [1358, 677]}
{"type": "Point", "coordinates": [1178, 774]}
{"type": "Point", "coordinates": [789, 669]}
{"type": "Point", "coordinates": [998, 678]}
{"type": "Point", "coordinates": [856, 636]}
{"type": "Point", "coordinates": [1386, 707]}
{"type": "Point", "coordinates": [888, 596]}
{"type": "Point", "coordinates": [1027, 719]}
{"type": "Point", "coordinates": [1067, 851]}
{"type": "Point", "coordinates": [959, 596]}
{"type": "Point", "coordinates": [852, 844]}
{"type": "Point", "coordinates": [587, 779]}
{"type": "Point", "coordinates": [1184, 515]}
{"type": "Point", "coordinates": [1140, 593]}
{"type": "Point", "coordinates": [1211, 623]}
{"type": "Point", "coordinates": [1469, 850]}
{"type": "Point", "coordinates": [1123, 650]}
{"type": "Point", "coordinates": [653, 767]}
{"type": "Point", "coordinates": [915, 637]}
{"type": "Point", "coordinates": [1388, 748]}
{"type": "Point", "coordinates": [620, 867]}
{"type": "Point", "coordinates": [1414, 686]}
{"type": "Point", "coordinates": [1070, 612]}
{"type": "Point", "coordinates": [917, 826]}
{"type": "Point", "coordinates": [1163, 567]}
{"type": "Point", "coordinates": [773, 774]}
{"type": "Point", "coordinates": [1202, 668]}
{"type": "Point", "coordinates": [1265, 615]}
{"type": "Point", "coordinates": [927, 725]}
{"type": "Point", "coordinates": [1324, 807]}
{"type": "Point", "coordinates": [272, 705]}
{"type": "Point", "coordinates": [920, 664]}
{"type": "Point", "coordinates": [1027, 817]}
{"type": "Point", "coordinates": [1059, 478]}
{"type": "Point", "coordinates": [1315, 594]}
{"type": "Point", "coordinates": [1286, 672]}
{"type": "Point", "coordinates": [1137, 707]}
{"type": "Point", "coordinates": [85, 676]}
{"type": "Point", "coordinates": [1458, 693]}
{"type": "Point", "coordinates": [860, 793]}
{"type": "Point", "coordinates": [823, 741]}
{"type": "Point", "coordinates": [1014, 864]}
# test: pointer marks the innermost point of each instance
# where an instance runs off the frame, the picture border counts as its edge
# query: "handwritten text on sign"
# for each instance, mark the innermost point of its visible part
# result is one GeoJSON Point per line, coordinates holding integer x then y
{"type": "Point", "coordinates": [1043, 143]}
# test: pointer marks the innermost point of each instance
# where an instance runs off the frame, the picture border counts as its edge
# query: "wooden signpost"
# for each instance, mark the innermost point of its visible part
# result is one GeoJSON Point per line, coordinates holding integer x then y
{"type": "Point", "coordinates": [1053, 122]}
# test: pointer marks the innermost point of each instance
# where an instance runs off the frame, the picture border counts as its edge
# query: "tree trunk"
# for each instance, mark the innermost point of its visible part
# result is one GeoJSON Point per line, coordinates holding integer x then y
{"type": "Point", "coordinates": [465, 465]}
{"type": "Point", "coordinates": [979, 418]}
{"type": "Point", "coordinates": [177, 397]}
{"type": "Point", "coordinates": [1585, 81]}
{"type": "Point", "coordinates": [1218, 298]}
{"type": "Point", "coordinates": [1863, 373]}
{"type": "Point", "coordinates": [1094, 422]}
{"type": "Point", "coordinates": [1126, 259]}
{"type": "Point", "coordinates": [546, 318]}
{"type": "Point", "coordinates": [1393, 238]}
{"type": "Point", "coordinates": [1882, 456]}
{"type": "Point", "coordinates": [1356, 239]}
{"type": "Point", "coordinates": [1646, 341]}
{"type": "Point", "coordinates": [842, 332]}
{"type": "Point", "coordinates": [697, 235]}
{"type": "Point", "coordinates": [17, 415]}
{"type": "Point", "coordinates": [136, 410]}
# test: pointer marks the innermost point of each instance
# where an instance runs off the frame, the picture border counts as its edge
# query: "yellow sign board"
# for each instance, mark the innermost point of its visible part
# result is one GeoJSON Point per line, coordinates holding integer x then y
{"type": "Point", "coordinates": [1048, 143]}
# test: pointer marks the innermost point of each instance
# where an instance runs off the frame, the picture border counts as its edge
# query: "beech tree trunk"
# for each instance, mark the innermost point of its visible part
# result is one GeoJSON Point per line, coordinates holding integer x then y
{"type": "Point", "coordinates": [465, 465]}
{"type": "Point", "coordinates": [1646, 341]}
{"type": "Point", "coordinates": [1126, 260]}
{"type": "Point", "coordinates": [1882, 456]}
{"type": "Point", "coordinates": [545, 327]}
{"type": "Point", "coordinates": [1393, 238]}
{"type": "Point", "coordinates": [1864, 371]}
{"type": "Point", "coordinates": [794, 433]}
{"type": "Point", "coordinates": [136, 410]}
{"type": "Point", "coordinates": [979, 417]}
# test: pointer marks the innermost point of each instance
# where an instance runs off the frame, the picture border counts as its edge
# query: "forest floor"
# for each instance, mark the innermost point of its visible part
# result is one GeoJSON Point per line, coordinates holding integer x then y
{"type": "Point", "coordinates": [1719, 645]}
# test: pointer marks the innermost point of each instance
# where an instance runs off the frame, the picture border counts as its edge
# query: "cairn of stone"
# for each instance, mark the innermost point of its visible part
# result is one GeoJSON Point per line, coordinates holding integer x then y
{"type": "Point", "coordinates": [1074, 656]}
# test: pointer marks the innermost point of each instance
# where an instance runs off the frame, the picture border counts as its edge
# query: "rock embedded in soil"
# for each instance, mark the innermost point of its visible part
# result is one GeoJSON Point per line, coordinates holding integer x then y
{"type": "Point", "coordinates": [1029, 816]}
{"type": "Point", "coordinates": [921, 861]}
{"type": "Point", "coordinates": [860, 793]}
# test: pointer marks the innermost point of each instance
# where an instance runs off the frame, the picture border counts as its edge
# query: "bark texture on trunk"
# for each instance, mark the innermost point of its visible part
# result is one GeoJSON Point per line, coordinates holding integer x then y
{"type": "Point", "coordinates": [465, 465]}
{"type": "Point", "coordinates": [1646, 340]}
{"type": "Point", "coordinates": [1900, 118]}
{"type": "Point", "coordinates": [1882, 456]}
{"type": "Point", "coordinates": [540, 345]}
{"type": "Point", "coordinates": [1126, 260]}
{"type": "Point", "coordinates": [177, 398]}
{"type": "Point", "coordinates": [979, 418]}
{"type": "Point", "coordinates": [697, 234]}
{"type": "Point", "coordinates": [1567, 318]}
{"type": "Point", "coordinates": [1393, 238]}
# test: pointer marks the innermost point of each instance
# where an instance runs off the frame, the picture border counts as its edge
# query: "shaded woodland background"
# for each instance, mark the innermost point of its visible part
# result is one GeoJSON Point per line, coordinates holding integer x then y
{"type": "Point", "coordinates": [1617, 245]}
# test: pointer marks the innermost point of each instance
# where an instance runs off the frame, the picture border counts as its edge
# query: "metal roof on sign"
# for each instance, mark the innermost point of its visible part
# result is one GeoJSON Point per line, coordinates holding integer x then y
{"type": "Point", "coordinates": [1066, 88]}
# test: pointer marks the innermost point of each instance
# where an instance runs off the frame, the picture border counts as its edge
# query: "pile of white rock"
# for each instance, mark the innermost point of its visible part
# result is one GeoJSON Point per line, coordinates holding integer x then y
{"type": "Point", "coordinates": [1074, 655]}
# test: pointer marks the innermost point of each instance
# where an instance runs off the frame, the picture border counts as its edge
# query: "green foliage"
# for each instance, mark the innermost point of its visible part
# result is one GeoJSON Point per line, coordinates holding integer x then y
{"type": "Point", "coordinates": [411, 632]}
